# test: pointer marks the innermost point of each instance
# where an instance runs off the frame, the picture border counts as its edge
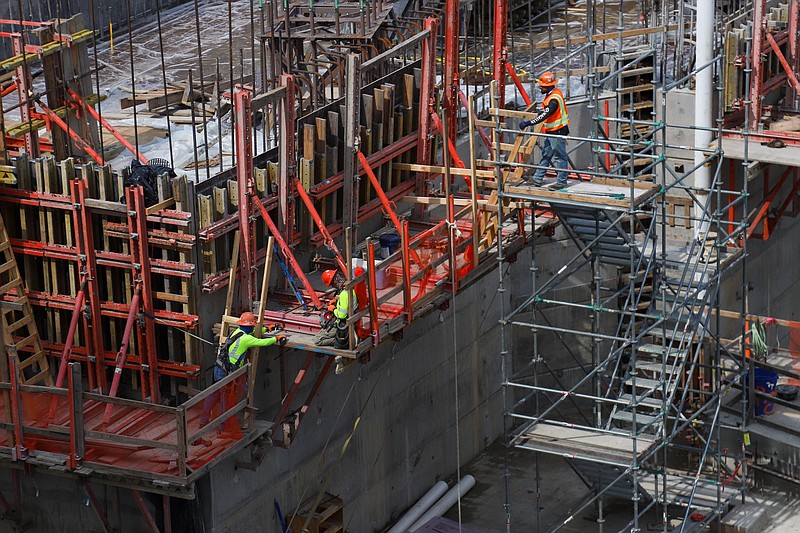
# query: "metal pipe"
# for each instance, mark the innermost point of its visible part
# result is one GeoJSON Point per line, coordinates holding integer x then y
{"type": "Point", "coordinates": [703, 109]}
{"type": "Point", "coordinates": [423, 504]}
{"type": "Point", "coordinates": [446, 502]}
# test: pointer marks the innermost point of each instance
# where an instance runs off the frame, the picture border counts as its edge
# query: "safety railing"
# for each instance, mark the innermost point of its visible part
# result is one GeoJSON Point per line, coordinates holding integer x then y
{"type": "Point", "coordinates": [140, 439]}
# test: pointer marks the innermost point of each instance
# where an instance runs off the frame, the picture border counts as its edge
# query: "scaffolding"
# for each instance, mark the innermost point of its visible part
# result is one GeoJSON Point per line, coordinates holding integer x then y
{"type": "Point", "coordinates": [642, 419]}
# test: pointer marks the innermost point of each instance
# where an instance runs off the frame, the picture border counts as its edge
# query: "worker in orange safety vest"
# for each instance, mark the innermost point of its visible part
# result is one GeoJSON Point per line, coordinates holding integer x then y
{"type": "Point", "coordinates": [554, 118]}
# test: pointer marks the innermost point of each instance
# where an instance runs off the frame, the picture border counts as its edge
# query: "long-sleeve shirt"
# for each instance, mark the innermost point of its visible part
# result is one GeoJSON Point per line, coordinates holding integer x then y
{"type": "Point", "coordinates": [546, 113]}
{"type": "Point", "coordinates": [243, 343]}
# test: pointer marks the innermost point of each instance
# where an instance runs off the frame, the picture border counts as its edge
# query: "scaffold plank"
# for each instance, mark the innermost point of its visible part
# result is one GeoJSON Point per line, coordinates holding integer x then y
{"type": "Point", "coordinates": [588, 444]}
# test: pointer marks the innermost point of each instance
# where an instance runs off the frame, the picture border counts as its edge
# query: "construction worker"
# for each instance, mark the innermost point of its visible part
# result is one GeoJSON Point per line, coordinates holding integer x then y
{"type": "Point", "coordinates": [233, 354]}
{"type": "Point", "coordinates": [334, 330]}
{"type": "Point", "coordinates": [555, 121]}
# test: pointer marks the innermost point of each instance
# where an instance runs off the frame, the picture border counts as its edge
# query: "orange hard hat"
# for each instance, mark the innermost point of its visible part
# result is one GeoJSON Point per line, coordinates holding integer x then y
{"type": "Point", "coordinates": [327, 277]}
{"type": "Point", "coordinates": [548, 79]}
{"type": "Point", "coordinates": [247, 319]}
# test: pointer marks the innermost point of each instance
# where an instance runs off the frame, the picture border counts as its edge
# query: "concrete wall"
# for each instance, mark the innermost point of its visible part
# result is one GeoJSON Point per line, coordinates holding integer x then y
{"type": "Point", "coordinates": [406, 437]}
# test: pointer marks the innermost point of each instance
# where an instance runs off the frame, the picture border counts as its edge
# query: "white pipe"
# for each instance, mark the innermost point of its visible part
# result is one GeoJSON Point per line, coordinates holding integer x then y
{"type": "Point", "coordinates": [447, 501]}
{"type": "Point", "coordinates": [703, 109]}
{"type": "Point", "coordinates": [419, 508]}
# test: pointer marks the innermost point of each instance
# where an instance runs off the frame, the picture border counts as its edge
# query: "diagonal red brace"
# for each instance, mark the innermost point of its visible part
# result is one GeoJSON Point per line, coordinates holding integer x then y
{"type": "Point", "coordinates": [518, 83]}
{"type": "Point", "coordinates": [287, 252]}
{"type": "Point", "coordinates": [122, 354]}
{"type": "Point", "coordinates": [117, 135]}
{"type": "Point", "coordinates": [387, 204]}
{"type": "Point", "coordinates": [321, 225]}
{"type": "Point", "coordinates": [453, 152]}
{"type": "Point", "coordinates": [79, 141]}
{"type": "Point", "coordinates": [481, 130]}
{"type": "Point", "coordinates": [784, 63]}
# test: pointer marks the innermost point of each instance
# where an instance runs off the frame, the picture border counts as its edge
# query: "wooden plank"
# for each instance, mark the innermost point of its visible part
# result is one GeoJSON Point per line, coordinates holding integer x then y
{"type": "Point", "coordinates": [436, 169]}
{"type": "Point", "coordinates": [560, 43]}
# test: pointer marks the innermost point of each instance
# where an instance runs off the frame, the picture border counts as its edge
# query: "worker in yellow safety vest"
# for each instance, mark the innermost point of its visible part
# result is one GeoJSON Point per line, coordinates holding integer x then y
{"type": "Point", "coordinates": [334, 330]}
{"type": "Point", "coordinates": [555, 123]}
{"type": "Point", "coordinates": [232, 354]}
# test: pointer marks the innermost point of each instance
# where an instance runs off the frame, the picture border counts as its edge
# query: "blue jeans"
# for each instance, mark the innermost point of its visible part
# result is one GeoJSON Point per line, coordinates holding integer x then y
{"type": "Point", "coordinates": [553, 146]}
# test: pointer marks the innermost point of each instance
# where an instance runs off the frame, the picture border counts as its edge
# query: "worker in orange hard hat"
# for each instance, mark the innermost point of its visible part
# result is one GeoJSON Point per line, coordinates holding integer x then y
{"type": "Point", "coordinates": [232, 354]}
{"type": "Point", "coordinates": [555, 122]}
{"type": "Point", "coordinates": [334, 330]}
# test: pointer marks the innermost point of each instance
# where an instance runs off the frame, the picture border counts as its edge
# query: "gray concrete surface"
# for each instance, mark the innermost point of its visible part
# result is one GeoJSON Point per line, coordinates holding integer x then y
{"type": "Point", "coordinates": [560, 488]}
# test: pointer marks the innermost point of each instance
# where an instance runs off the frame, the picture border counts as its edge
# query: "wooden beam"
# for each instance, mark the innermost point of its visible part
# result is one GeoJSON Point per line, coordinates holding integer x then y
{"type": "Point", "coordinates": [558, 43]}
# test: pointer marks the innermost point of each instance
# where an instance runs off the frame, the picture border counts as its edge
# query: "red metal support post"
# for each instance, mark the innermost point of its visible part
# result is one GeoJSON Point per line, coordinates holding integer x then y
{"type": "Point", "coordinates": [140, 259]}
{"type": "Point", "coordinates": [373, 293]}
{"type": "Point", "coordinates": [450, 79]}
{"type": "Point", "coordinates": [84, 245]}
{"type": "Point", "coordinates": [288, 159]}
{"type": "Point", "coordinates": [427, 79]}
{"type": "Point", "coordinates": [757, 75]}
{"type": "Point", "coordinates": [407, 299]}
{"type": "Point", "coordinates": [75, 406]}
{"type": "Point", "coordinates": [499, 48]}
{"type": "Point", "coordinates": [244, 177]}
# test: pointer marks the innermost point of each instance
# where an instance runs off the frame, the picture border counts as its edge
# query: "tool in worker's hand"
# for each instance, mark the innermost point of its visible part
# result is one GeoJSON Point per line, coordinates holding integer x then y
{"type": "Point", "coordinates": [282, 339]}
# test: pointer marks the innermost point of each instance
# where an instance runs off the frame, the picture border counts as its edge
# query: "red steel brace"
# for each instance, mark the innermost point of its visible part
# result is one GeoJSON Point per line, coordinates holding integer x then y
{"type": "Point", "coordinates": [287, 253]}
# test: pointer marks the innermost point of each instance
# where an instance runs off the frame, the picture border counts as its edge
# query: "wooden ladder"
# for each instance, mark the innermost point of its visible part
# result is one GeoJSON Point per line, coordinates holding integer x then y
{"type": "Point", "coordinates": [20, 335]}
{"type": "Point", "coordinates": [489, 225]}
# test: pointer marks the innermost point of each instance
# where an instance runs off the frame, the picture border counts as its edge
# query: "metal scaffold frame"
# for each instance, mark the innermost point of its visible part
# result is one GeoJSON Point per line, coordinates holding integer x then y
{"type": "Point", "coordinates": [604, 407]}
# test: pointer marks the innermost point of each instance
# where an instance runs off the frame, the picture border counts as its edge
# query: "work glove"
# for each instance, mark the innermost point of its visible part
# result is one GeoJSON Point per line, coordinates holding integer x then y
{"type": "Point", "coordinates": [282, 339]}
{"type": "Point", "coordinates": [524, 124]}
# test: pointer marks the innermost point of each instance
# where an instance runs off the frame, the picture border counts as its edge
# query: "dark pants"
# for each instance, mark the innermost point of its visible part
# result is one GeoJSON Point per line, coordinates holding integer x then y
{"type": "Point", "coordinates": [212, 400]}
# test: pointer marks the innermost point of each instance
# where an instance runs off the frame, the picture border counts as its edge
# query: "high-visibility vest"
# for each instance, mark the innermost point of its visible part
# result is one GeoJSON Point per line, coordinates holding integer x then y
{"type": "Point", "coordinates": [560, 118]}
{"type": "Point", "coordinates": [342, 304]}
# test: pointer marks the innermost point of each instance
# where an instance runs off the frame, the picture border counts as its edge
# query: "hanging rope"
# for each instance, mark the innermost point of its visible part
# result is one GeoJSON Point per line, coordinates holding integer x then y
{"type": "Point", "coordinates": [758, 338]}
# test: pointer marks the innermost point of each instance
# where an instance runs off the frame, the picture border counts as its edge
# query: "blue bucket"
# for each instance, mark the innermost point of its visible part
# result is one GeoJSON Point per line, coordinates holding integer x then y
{"type": "Point", "coordinates": [765, 382]}
{"type": "Point", "coordinates": [390, 241]}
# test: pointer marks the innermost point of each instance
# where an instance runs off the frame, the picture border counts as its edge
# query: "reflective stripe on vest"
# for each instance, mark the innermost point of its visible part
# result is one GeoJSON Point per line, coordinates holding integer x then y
{"type": "Point", "coordinates": [560, 118]}
{"type": "Point", "coordinates": [232, 359]}
{"type": "Point", "coordinates": [342, 305]}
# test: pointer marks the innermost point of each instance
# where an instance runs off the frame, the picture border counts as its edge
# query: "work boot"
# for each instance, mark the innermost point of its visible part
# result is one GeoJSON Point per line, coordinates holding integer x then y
{"type": "Point", "coordinates": [557, 186]}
